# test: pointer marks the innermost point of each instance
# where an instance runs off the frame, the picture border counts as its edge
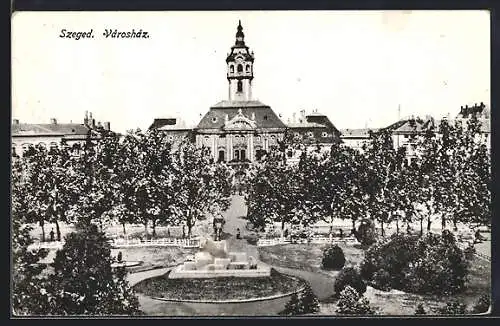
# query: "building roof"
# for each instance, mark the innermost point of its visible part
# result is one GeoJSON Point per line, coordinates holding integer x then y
{"type": "Point", "coordinates": [53, 129]}
{"type": "Point", "coordinates": [477, 109]}
{"type": "Point", "coordinates": [172, 123]}
{"type": "Point", "coordinates": [262, 114]}
{"type": "Point", "coordinates": [240, 104]}
{"type": "Point", "coordinates": [306, 124]}
{"type": "Point", "coordinates": [411, 126]}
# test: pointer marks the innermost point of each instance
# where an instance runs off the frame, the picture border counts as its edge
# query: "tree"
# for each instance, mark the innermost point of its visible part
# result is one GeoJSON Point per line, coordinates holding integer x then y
{"type": "Point", "coordinates": [28, 293]}
{"type": "Point", "coordinates": [275, 194]}
{"type": "Point", "coordinates": [457, 170]}
{"type": "Point", "coordinates": [63, 182]}
{"type": "Point", "coordinates": [200, 185]}
{"type": "Point", "coordinates": [84, 283]}
{"type": "Point", "coordinates": [147, 179]}
{"type": "Point", "coordinates": [98, 182]}
{"type": "Point", "coordinates": [353, 303]}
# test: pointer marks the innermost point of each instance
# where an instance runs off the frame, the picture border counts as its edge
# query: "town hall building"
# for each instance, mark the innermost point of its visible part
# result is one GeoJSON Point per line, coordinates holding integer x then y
{"type": "Point", "coordinates": [242, 129]}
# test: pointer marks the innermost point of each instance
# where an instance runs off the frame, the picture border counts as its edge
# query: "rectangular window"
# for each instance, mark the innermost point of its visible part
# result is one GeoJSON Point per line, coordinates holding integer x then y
{"type": "Point", "coordinates": [242, 155]}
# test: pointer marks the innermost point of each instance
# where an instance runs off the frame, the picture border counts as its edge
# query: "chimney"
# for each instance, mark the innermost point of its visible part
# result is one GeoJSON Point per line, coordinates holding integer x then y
{"type": "Point", "coordinates": [86, 118]}
{"type": "Point", "coordinates": [303, 113]}
{"type": "Point", "coordinates": [53, 121]}
{"type": "Point", "coordinates": [99, 125]}
{"type": "Point", "coordinates": [15, 121]}
{"type": "Point", "coordinates": [253, 116]}
{"type": "Point", "coordinates": [93, 124]}
{"type": "Point", "coordinates": [107, 126]}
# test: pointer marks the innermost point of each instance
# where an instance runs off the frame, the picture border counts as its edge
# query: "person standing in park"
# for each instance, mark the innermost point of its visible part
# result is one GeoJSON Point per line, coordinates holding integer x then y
{"type": "Point", "coordinates": [52, 235]}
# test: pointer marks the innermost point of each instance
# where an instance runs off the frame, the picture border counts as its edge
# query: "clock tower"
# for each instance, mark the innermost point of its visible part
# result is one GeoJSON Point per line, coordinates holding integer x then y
{"type": "Point", "coordinates": [240, 69]}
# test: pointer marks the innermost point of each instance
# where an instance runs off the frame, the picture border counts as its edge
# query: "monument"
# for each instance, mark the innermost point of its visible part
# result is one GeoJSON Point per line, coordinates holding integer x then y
{"type": "Point", "coordinates": [214, 260]}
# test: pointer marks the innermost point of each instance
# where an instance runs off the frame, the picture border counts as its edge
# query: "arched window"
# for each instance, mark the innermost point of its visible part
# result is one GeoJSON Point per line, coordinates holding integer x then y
{"type": "Point", "coordinates": [240, 86]}
{"type": "Point", "coordinates": [221, 156]}
{"type": "Point", "coordinates": [248, 68]}
{"type": "Point", "coordinates": [240, 68]}
{"type": "Point", "coordinates": [231, 68]}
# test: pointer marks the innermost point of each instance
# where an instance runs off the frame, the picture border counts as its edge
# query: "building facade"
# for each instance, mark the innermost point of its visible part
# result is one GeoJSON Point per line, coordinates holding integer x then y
{"type": "Point", "coordinates": [25, 135]}
{"type": "Point", "coordinates": [239, 129]}
{"type": "Point", "coordinates": [242, 129]}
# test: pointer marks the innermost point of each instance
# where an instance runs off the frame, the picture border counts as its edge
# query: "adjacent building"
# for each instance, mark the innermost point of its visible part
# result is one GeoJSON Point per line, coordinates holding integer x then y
{"type": "Point", "coordinates": [52, 134]}
{"type": "Point", "coordinates": [483, 114]}
{"type": "Point", "coordinates": [356, 138]}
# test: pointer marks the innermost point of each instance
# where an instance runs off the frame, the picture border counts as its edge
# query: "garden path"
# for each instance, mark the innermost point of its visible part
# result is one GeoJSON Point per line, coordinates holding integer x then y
{"type": "Point", "coordinates": [321, 284]}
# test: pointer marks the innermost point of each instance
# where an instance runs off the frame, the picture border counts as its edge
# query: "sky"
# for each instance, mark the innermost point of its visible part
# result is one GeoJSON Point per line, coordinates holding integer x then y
{"type": "Point", "coordinates": [357, 67]}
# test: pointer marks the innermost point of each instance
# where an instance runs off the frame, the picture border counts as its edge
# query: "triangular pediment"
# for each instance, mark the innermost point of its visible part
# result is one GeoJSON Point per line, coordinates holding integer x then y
{"type": "Point", "coordinates": [240, 122]}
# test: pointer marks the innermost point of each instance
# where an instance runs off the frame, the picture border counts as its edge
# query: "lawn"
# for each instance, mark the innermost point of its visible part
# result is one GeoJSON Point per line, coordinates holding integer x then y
{"type": "Point", "coordinates": [307, 257]}
{"type": "Point", "coordinates": [151, 257]}
{"type": "Point", "coordinates": [228, 288]}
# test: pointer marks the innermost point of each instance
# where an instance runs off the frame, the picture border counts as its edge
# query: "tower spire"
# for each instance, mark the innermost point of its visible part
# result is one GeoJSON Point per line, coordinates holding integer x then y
{"type": "Point", "coordinates": [240, 37]}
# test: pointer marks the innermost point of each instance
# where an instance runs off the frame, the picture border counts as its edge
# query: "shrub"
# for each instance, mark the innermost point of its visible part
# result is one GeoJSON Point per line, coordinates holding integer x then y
{"type": "Point", "coordinates": [430, 264]}
{"type": "Point", "coordinates": [453, 307]}
{"type": "Point", "coordinates": [420, 310]}
{"type": "Point", "coordinates": [482, 305]}
{"type": "Point", "coordinates": [382, 280]}
{"type": "Point", "coordinates": [303, 303]}
{"type": "Point", "coordinates": [366, 233]}
{"type": "Point", "coordinates": [353, 303]}
{"type": "Point", "coordinates": [309, 301]}
{"type": "Point", "coordinates": [333, 258]}
{"type": "Point", "coordinates": [349, 276]}
{"type": "Point", "coordinates": [293, 307]}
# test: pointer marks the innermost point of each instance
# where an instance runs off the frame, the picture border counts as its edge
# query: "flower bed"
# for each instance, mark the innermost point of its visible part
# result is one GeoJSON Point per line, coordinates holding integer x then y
{"type": "Point", "coordinates": [220, 288]}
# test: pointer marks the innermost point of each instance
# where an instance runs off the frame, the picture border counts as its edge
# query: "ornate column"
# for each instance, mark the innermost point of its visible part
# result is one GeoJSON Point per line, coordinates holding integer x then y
{"type": "Point", "coordinates": [229, 147]}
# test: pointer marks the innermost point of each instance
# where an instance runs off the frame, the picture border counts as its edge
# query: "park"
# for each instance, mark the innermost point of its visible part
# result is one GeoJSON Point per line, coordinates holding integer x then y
{"type": "Point", "coordinates": [140, 227]}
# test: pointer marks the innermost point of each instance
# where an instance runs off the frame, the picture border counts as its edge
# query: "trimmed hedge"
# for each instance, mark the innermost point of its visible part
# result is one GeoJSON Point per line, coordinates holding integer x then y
{"type": "Point", "coordinates": [333, 258]}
